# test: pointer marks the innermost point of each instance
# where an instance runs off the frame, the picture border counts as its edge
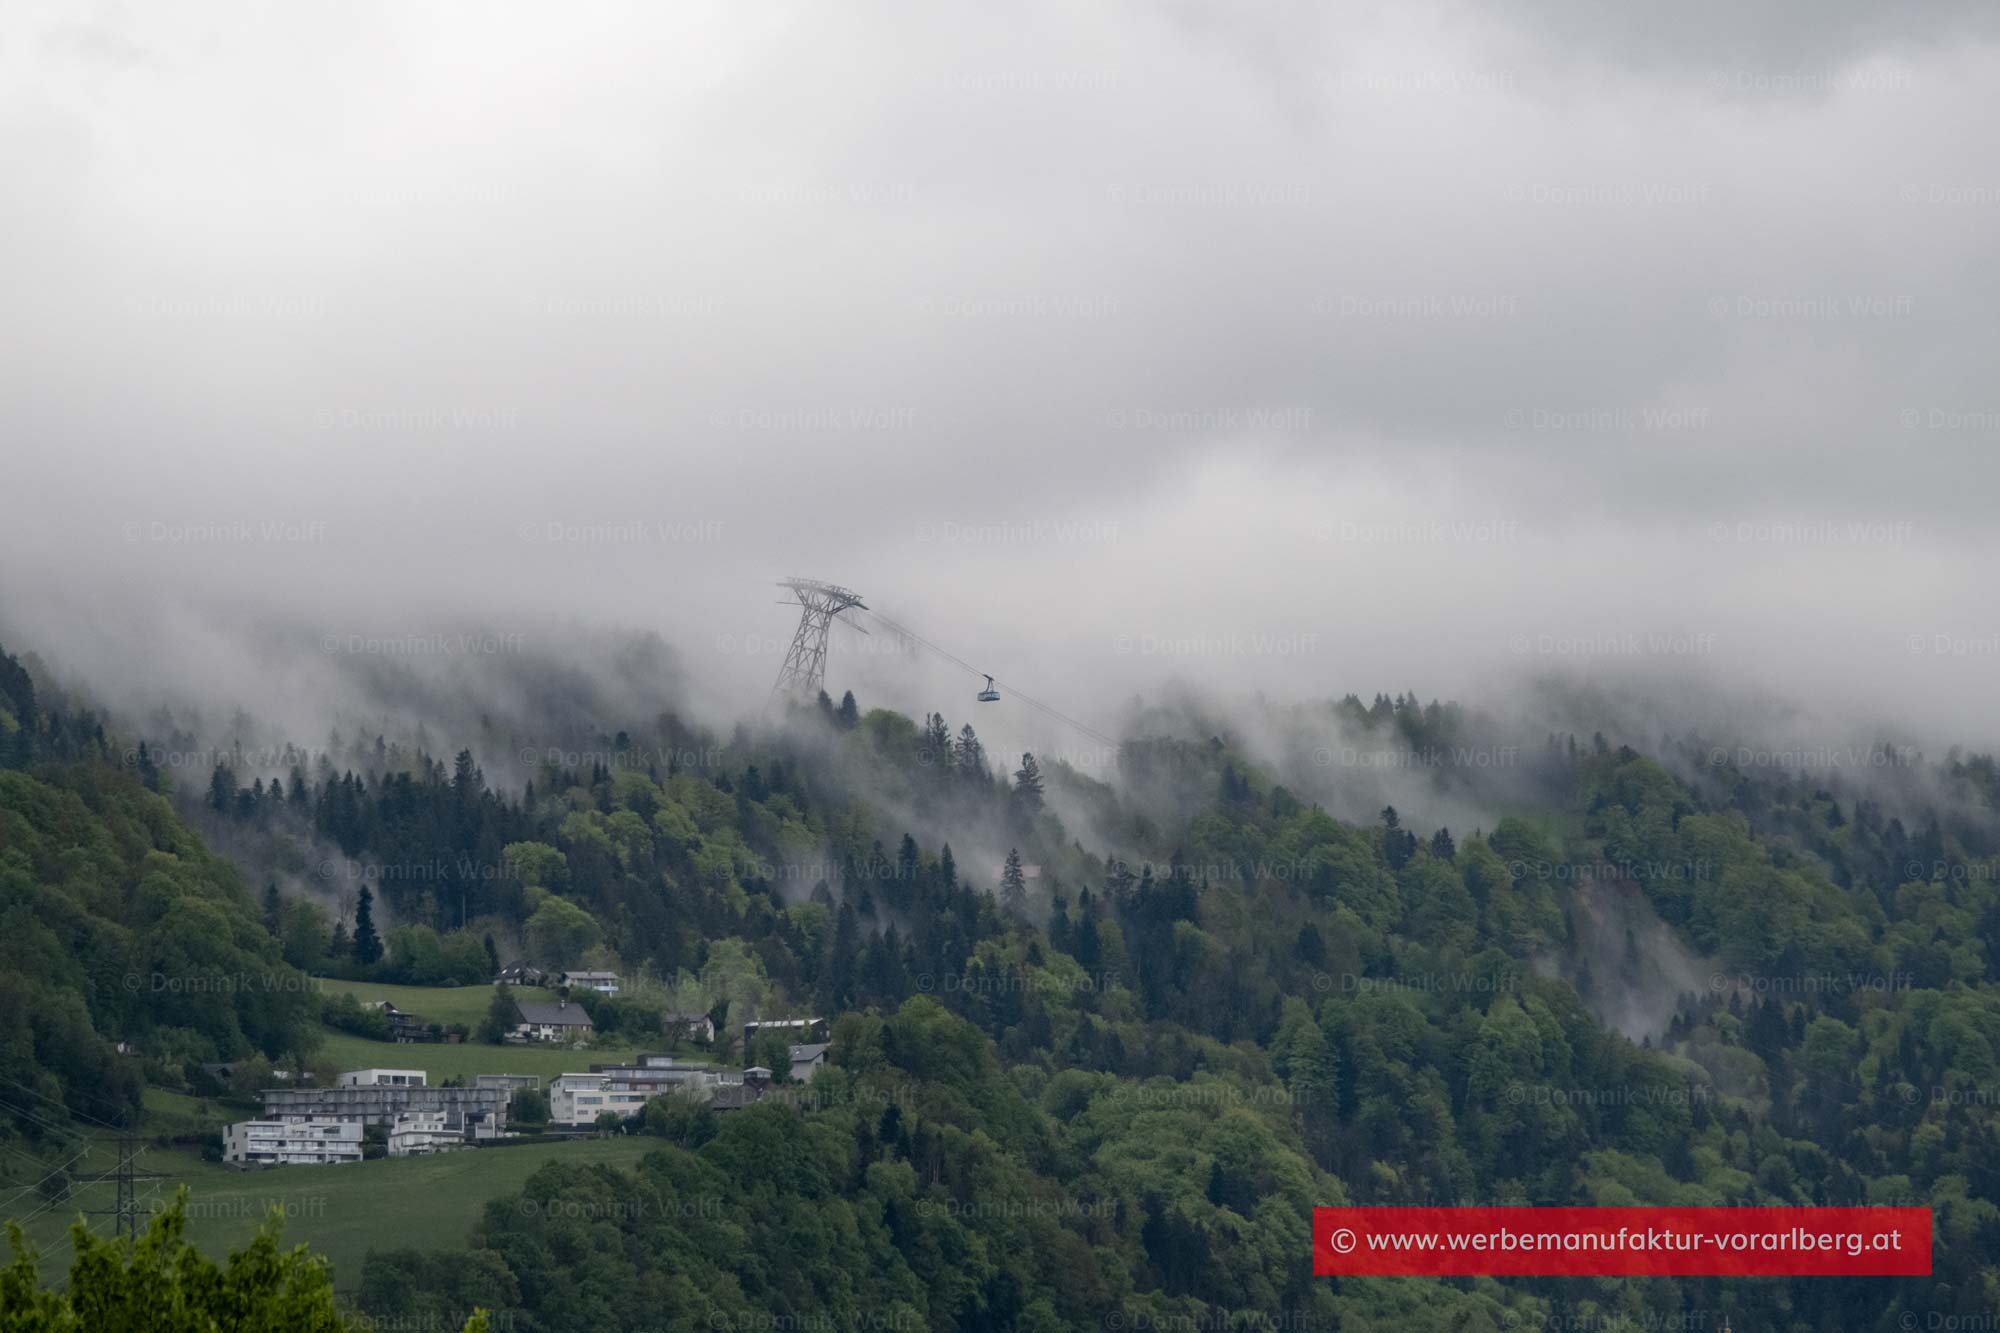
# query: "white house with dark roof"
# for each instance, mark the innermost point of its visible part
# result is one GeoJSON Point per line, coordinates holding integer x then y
{"type": "Point", "coordinates": [550, 1020]}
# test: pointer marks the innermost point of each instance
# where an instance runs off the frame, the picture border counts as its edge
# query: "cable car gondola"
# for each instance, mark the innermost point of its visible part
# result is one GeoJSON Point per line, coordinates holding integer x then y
{"type": "Point", "coordinates": [989, 695]}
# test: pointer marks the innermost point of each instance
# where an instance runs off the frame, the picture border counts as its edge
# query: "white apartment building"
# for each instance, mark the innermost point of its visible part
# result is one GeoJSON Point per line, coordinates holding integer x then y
{"type": "Point", "coordinates": [420, 1133]}
{"type": "Point", "coordinates": [576, 1100]}
{"type": "Point", "coordinates": [382, 1078]}
{"type": "Point", "coordinates": [293, 1141]}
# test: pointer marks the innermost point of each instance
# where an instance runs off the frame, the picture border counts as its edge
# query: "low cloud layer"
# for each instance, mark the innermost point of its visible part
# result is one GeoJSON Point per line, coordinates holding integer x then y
{"type": "Point", "coordinates": [1409, 347]}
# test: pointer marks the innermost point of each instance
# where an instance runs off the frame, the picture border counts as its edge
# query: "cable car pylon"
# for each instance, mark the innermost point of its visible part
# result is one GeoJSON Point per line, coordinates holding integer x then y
{"type": "Point", "coordinates": [803, 674]}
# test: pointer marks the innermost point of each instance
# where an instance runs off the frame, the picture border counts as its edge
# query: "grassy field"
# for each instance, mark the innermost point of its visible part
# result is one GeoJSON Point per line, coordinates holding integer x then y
{"type": "Point", "coordinates": [442, 1061]}
{"type": "Point", "coordinates": [436, 1004]}
{"type": "Point", "coordinates": [340, 1211]}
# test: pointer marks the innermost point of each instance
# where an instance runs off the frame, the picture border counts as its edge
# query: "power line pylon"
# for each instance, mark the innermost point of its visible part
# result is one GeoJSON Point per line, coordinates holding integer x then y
{"type": "Point", "coordinates": [126, 1211]}
{"type": "Point", "coordinates": [803, 674]}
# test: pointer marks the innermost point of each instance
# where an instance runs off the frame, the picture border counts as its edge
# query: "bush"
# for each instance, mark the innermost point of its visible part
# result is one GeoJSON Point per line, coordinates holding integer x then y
{"type": "Point", "coordinates": [344, 1013]}
{"type": "Point", "coordinates": [500, 1017]}
{"type": "Point", "coordinates": [529, 1107]}
{"type": "Point", "coordinates": [419, 956]}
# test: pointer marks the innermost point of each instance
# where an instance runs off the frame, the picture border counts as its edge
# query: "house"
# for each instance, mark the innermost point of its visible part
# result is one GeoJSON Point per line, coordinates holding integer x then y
{"type": "Point", "coordinates": [806, 1061]}
{"type": "Point", "coordinates": [754, 1087]}
{"type": "Point", "coordinates": [737, 1096]}
{"type": "Point", "coordinates": [795, 1029]}
{"type": "Point", "coordinates": [604, 983]}
{"type": "Point", "coordinates": [298, 1140]}
{"type": "Point", "coordinates": [382, 1078]}
{"type": "Point", "coordinates": [520, 974]}
{"type": "Point", "coordinates": [695, 1027]}
{"type": "Point", "coordinates": [539, 1020]}
{"type": "Point", "coordinates": [512, 1083]}
{"type": "Point", "coordinates": [405, 1026]}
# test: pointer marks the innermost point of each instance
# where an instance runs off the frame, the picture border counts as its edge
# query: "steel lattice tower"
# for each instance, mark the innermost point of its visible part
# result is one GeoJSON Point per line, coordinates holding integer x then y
{"type": "Point", "coordinates": [804, 673]}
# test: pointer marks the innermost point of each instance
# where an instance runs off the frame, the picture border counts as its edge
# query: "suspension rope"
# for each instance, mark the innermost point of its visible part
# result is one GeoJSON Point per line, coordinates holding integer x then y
{"type": "Point", "coordinates": [1012, 690]}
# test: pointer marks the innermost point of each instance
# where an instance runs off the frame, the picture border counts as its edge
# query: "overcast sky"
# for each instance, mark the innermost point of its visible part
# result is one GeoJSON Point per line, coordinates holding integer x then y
{"type": "Point", "coordinates": [1298, 348]}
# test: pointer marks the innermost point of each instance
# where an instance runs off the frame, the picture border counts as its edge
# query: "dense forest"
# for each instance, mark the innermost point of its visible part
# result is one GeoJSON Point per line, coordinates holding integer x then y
{"type": "Point", "coordinates": [1100, 1045]}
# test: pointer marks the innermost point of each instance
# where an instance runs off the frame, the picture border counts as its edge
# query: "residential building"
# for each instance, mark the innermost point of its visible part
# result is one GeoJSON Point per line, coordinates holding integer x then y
{"type": "Point", "coordinates": [604, 983]}
{"type": "Point", "coordinates": [381, 1103]}
{"type": "Point", "coordinates": [542, 1020]}
{"type": "Point", "coordinates": [421, 1133]}
{"type": "Point", "coordinates": [382, 1078]}
{"type": "Point", "coordinates": [520, 974]}
{"type": "Point", "coordinates": [807, 1060]}
{"type": "Point", "coordinates": [576, 1100]}
{"type": "Point", "coordinates": [513, 1083]}
{"type": "Point", "coordinates": [298, 1140]}
{"type": "Point", "coordinates": [695, 1027]}
{"type": "Point", "coordinates": [755, 1088]}
{"type": "Point", "coordinates": [792, 1029]}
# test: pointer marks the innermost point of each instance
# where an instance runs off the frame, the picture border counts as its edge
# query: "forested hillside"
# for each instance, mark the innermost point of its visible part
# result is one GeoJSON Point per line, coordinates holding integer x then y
{"type": "Point", "coordinates": [1099, 1064]}
{"type": "Point", "coordinates": [117, 927]}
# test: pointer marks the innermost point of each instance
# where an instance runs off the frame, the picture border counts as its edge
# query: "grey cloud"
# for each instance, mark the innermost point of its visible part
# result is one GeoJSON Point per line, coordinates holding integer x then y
{"type": "Point", "coordinates": [1394, 337]}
